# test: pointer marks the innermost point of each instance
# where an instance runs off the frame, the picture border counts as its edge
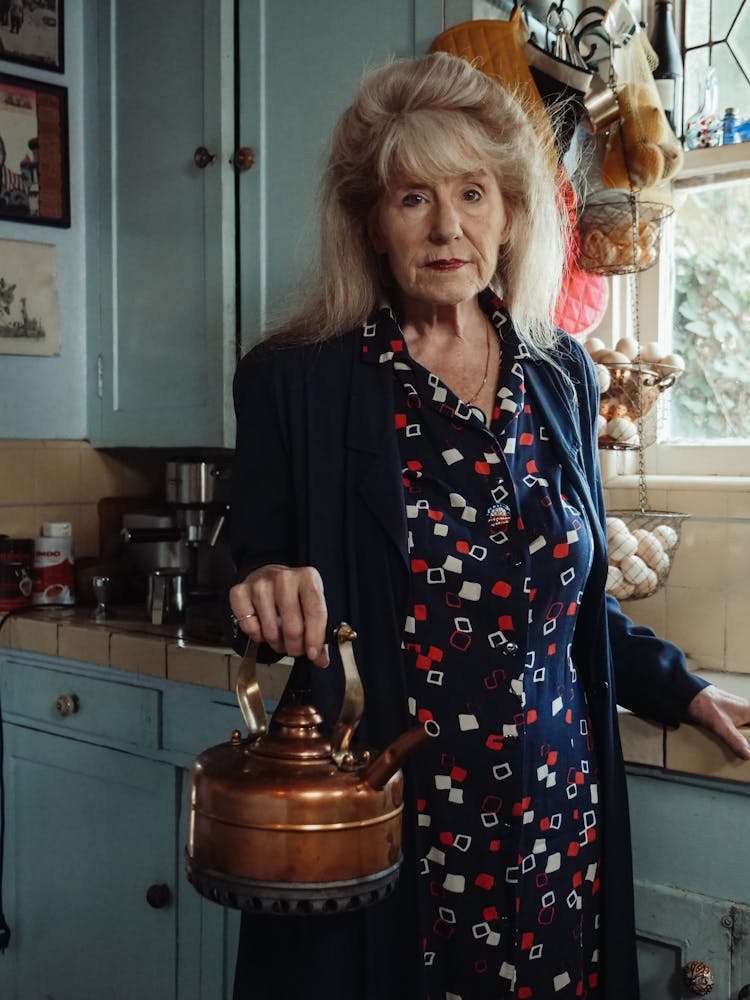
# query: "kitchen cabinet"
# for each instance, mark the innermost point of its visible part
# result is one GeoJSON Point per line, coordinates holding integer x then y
{"type": "Point", "coordinates": [96, 794]}
{"type": "Point", "coordinates": [692, 885]}
{"type": "Point", "coordinates": [184, 261]}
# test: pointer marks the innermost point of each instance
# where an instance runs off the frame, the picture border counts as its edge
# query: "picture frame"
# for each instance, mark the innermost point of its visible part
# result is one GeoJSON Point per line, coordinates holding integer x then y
{"type": "Point", "coordinates": [32, 34]}
{"type": "Point", "coordinates": [34, 165]}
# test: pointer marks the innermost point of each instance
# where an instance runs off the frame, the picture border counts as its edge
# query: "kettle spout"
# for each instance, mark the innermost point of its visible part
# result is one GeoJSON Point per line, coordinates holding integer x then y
{"type": "Point", "coordinates": [385, 765]}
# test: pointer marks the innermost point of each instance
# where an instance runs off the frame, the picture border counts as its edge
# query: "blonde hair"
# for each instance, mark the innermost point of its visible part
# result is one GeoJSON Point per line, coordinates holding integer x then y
{"type": "Point", "coordinates": [429, 118]}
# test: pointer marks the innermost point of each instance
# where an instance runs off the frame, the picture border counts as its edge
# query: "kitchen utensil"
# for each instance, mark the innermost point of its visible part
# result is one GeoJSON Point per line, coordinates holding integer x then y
{"type": "Point", "coordinates": [166, 596]}
{"type": "Point", "coordinates": [290, 820]}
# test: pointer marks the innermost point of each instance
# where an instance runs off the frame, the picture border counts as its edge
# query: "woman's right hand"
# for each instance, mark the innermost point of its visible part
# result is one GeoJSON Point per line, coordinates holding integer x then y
{"type": "Point", "coordinates": [284, 607]}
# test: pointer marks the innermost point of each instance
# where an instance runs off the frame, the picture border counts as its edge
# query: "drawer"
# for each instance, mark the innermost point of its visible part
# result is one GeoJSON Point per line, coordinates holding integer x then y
{"type": "Point", "coordinates": [104, 709]}
{"type": "Point", "coordinates": [197, 717]}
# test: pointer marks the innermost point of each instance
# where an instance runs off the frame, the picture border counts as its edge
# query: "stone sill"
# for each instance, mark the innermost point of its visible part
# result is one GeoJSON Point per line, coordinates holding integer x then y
{"type": "Point", "coordinates": [687, 749]}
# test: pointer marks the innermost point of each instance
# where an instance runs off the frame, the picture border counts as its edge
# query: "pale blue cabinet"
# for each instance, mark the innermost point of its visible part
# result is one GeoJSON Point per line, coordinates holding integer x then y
{"type": "Point", "coordinates": [96, 796]}
{"type": "Point", "coordinates": [183, 262]}
{"type": "Point", "coordinates": [692, 881]}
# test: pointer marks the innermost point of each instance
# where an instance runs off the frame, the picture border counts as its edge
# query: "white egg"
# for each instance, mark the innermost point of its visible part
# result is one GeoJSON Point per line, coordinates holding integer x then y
{"type": "Point", "coordinates": [660, 565]}
{"type": "Point", "coordinates": [603, 378]}
{"type": "Point", "coordinates": [651, 351]}
{"type": "Point", "coordinates": [593, 344]}
{"type": "Point", "coordinates": [622, 429]}
{"type": "Point", "coordinates": [614, 577]}
{"type": "Point", "coordinates": [674, 361]}
{"type": "Point", "coordinates": [621, 546]}
{"type": "Point", "coordinates": [667, 536]}
{"type": "Point", "coordinates": [615, 525]}
{"type": "Point", "coordinates": [634, 569]}
{"type": "Point", "coordinates": [647, 585]}
{"type": "Point", "coordinates": [613, 358]}
{"type": "Point", "coordinates": [627, 346]}
{"type": "Point", "coordinates": [649, 548]}
{"type": "Point", "coordinates": [622, 591]}
{"type": "Point", "coordinates": [601, 425]}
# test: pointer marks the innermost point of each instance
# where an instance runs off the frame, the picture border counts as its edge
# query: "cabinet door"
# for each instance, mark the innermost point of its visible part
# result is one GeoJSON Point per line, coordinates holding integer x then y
{"type": "Point", "coordinates": [299, 68]}
{"type": "Point", "coordinates": [89, 830]}
{"type": "Point", "coordinates": [160, 263]}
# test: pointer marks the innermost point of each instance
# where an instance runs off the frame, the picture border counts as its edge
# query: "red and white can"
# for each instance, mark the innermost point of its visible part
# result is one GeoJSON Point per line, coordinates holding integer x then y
{"type": "Point", "coordinates": [16, 573]}
{"type": "Point", "coordinates": [54, 564]}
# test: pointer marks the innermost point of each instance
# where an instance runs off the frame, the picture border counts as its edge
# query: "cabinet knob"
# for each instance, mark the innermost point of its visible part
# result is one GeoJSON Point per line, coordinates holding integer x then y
{"type": "Point", "coordinates": [202, 158]}
{"type": "Point", "coordinates": [698, 978]}
{"type": "Point", "coordinates": [67, 704]}
{"type": "Point", "coordinates": [243, 158]}
{"type": "Point", "coordinates": [158, 895]}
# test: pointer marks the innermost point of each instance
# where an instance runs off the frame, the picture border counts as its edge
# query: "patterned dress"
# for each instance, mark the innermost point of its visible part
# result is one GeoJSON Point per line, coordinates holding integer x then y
{"type": "Point", "coordinates": [507, 789]}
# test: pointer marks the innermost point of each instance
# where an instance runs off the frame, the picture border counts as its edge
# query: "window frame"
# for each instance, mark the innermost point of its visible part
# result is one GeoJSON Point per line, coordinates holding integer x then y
{"type": "Point", "coordinates": [655, 300]}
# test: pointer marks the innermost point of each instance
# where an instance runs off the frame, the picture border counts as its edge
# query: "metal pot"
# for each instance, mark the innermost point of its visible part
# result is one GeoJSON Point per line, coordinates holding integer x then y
{"type": "Point", "coordinates": [287, 820]}
{"type": "Point", "coordinates": [197, 483]}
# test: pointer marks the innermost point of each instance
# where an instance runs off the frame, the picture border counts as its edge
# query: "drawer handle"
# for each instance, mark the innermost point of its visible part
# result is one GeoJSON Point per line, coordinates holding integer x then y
{"type": "Point", "coordinates": [67, 704]}
{"type": "Point", "coordinates": [158, 895]}
{"type": "Point", "coordinates": [698, 978]}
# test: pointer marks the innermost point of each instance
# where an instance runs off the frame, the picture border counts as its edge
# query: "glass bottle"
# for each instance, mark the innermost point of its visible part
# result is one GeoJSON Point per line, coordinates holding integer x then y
{"type": "Point", "coordinates": [703, 128]}
{"type": "Point", "coordinates": [729, 127]}
{"type": "Point", "coordinates": [668, 75]}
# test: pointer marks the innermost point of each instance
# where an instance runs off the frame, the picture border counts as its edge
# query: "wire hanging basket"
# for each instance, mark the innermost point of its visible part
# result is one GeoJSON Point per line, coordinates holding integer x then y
{"type": "Point", "coordinates": [642, 545]}
{"type": "Point", "coordinates": [619, 233]}
{"type": "Point", "coordinates": [629, 392]}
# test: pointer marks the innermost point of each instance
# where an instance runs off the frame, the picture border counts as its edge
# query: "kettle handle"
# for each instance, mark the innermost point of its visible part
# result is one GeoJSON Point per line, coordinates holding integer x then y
{"type": "Point", "coordinates": [253, 710]}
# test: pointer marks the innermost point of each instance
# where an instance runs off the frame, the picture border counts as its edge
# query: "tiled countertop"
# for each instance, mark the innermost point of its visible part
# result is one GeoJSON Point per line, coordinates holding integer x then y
{"type": "Point", "coordinates": [129, 642]}
{"type": "Point", "coordinates": [132, 643]}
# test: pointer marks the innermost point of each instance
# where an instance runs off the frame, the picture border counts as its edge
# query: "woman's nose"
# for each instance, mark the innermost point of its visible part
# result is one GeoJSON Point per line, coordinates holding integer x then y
{"type": "Point", "coordinates": [446, 224]}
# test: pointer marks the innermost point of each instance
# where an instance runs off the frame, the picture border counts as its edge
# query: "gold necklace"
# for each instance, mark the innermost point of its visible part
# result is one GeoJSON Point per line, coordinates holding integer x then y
{"type": "Point", "coordinates": [486, 365]}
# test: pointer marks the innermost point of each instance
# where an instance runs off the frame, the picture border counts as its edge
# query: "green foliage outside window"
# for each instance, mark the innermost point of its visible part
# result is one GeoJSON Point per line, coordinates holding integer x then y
{"type": "Point", "coordinates": [712, 314]}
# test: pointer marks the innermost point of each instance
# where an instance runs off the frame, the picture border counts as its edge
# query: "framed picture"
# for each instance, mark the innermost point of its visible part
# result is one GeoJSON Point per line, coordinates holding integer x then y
{"type": "Point", "coordinates": [31, 32]}
{"type": "Point", "coordinates": [34, 181]}
{"type": "Point", "coordinates": [29, 315]}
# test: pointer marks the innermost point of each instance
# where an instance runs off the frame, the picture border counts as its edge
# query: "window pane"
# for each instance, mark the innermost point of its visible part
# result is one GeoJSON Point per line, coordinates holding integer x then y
{"type": "Point", "coordinates": [697, 20]}
{"type": "Point", "coordinates": [711, 323]}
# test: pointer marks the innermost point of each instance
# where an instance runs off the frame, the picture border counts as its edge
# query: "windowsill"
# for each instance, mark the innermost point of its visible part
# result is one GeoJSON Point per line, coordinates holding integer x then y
{"type": "Point", "coordinates": [620, 469]}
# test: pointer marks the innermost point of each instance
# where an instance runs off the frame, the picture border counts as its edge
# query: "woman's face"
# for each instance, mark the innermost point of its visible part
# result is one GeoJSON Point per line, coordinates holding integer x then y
{"type": "Point", "coordinates": [442, 237]}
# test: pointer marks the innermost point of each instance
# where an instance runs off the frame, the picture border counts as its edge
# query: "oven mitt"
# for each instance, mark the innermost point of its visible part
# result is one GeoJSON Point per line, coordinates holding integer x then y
{"type": "Point", "coordinates": [497, 48]}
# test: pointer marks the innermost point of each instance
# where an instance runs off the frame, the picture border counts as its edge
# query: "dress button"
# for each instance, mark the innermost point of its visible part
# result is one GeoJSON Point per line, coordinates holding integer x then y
{"type": "Point", "coordinates": [511, 647]}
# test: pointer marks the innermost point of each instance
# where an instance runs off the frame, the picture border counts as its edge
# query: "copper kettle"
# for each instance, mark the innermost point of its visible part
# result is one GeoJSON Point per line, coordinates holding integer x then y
{"type": "Point", "coordinates": [288, 820]}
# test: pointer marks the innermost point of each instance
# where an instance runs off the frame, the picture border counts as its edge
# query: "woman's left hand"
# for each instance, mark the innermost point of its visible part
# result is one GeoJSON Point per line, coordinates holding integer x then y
{"type": "Point", "coordinates": [722, 713]}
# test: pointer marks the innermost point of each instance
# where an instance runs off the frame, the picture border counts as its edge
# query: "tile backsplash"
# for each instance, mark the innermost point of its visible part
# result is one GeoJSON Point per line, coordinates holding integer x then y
{"type": "Point", "coordinates": [64, 480]}
{"type": "Point", "coordinates": [704, 607]}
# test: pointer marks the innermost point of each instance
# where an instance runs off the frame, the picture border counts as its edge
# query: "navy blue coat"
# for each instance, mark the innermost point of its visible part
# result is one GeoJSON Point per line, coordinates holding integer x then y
{"type": "Point", "coordinates": [317, 482]}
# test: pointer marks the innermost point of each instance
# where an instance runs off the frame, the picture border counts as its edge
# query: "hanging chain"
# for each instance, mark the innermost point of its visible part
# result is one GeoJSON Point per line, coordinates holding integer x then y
{"type": "Point", "coordinates": [633, 291]}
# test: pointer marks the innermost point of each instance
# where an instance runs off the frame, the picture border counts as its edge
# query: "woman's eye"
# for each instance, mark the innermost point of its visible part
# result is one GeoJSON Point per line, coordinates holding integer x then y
{"type": "Point", "coordinates": [412, 199]}
{"type": "Point", "coordinates": [473, 194]}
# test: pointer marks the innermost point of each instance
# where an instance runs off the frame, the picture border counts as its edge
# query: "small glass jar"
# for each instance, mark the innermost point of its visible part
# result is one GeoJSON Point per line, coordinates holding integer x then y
{"type": "Point", "coordinates": [728, 127]}
{"type": "Point", "coordinates": [703, 128]}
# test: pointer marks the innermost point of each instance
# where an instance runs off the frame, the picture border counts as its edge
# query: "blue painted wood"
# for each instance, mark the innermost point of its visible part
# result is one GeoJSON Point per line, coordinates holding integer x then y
{"type": "Point", "coordinates": [299, 68]}
{"type": "Point", "coordinates": [162, 332]}
{"type": "Point", "coordinates": [122, 712]}
{"type": "Point", "coordinates": [89, 830]}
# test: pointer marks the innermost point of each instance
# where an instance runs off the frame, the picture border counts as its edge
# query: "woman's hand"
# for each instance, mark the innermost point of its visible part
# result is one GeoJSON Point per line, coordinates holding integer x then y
{"type": "Point", "coordinates": [285, 608]}
{"type": "Point", "coordinates": [722, 713]}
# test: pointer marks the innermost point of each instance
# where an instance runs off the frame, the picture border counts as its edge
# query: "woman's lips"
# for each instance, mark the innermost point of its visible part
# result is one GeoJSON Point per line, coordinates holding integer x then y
{"type": "Point", "coordinates": [445, 265]}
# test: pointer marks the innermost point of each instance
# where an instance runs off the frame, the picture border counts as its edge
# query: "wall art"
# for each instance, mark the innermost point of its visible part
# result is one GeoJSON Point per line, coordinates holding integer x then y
{"type": "Point", "coordinates": [29, 314]}
{"type": "Point", "coordinates": [31, 33]}
{"type": "Point", "coordinates": [34, 181]}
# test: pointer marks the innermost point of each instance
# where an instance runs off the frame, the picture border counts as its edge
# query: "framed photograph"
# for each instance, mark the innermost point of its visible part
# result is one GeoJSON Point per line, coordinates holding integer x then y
{"type": "Point", "coordinates": [31, 33]}
{"type": "Point", "coordinates": [29, 315]}
{"type": "Point", "coordinates": [34, 181]}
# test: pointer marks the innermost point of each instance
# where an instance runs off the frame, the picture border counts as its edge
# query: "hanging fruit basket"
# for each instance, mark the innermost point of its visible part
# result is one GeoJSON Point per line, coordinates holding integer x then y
{"type": "Point", "coordinates": [642, 546]}
{"type": "Point", "coordinates": [628, 393]}
{"type": "Point", "coordinates": [619, 233]}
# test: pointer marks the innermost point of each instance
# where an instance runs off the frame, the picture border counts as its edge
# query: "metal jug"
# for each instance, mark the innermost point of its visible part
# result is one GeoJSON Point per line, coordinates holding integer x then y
{"type": "Point", "coordinates": [288, 820]}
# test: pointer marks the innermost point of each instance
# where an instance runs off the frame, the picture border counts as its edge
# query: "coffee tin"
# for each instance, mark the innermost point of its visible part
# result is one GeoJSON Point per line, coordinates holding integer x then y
{"type": "Point", "coordinates": [54, 565]}
{"type": "Point", "coordinates": [16, 573]}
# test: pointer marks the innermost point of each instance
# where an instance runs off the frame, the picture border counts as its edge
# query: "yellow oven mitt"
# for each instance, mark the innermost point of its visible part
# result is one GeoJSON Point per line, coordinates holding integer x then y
{"type": "Point", "coordinates": [496, 47]}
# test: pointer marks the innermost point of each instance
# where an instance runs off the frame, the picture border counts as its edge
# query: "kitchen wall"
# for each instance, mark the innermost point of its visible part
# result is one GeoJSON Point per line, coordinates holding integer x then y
{"type": "Point", "coordinates": [46, 397]}
{"type": "Point", "coordinates": [705, 605]}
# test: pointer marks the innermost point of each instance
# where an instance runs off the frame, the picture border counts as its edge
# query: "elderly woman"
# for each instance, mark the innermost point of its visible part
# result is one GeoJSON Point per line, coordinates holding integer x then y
{"type": "Point", "coordinates": [416, 454]}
